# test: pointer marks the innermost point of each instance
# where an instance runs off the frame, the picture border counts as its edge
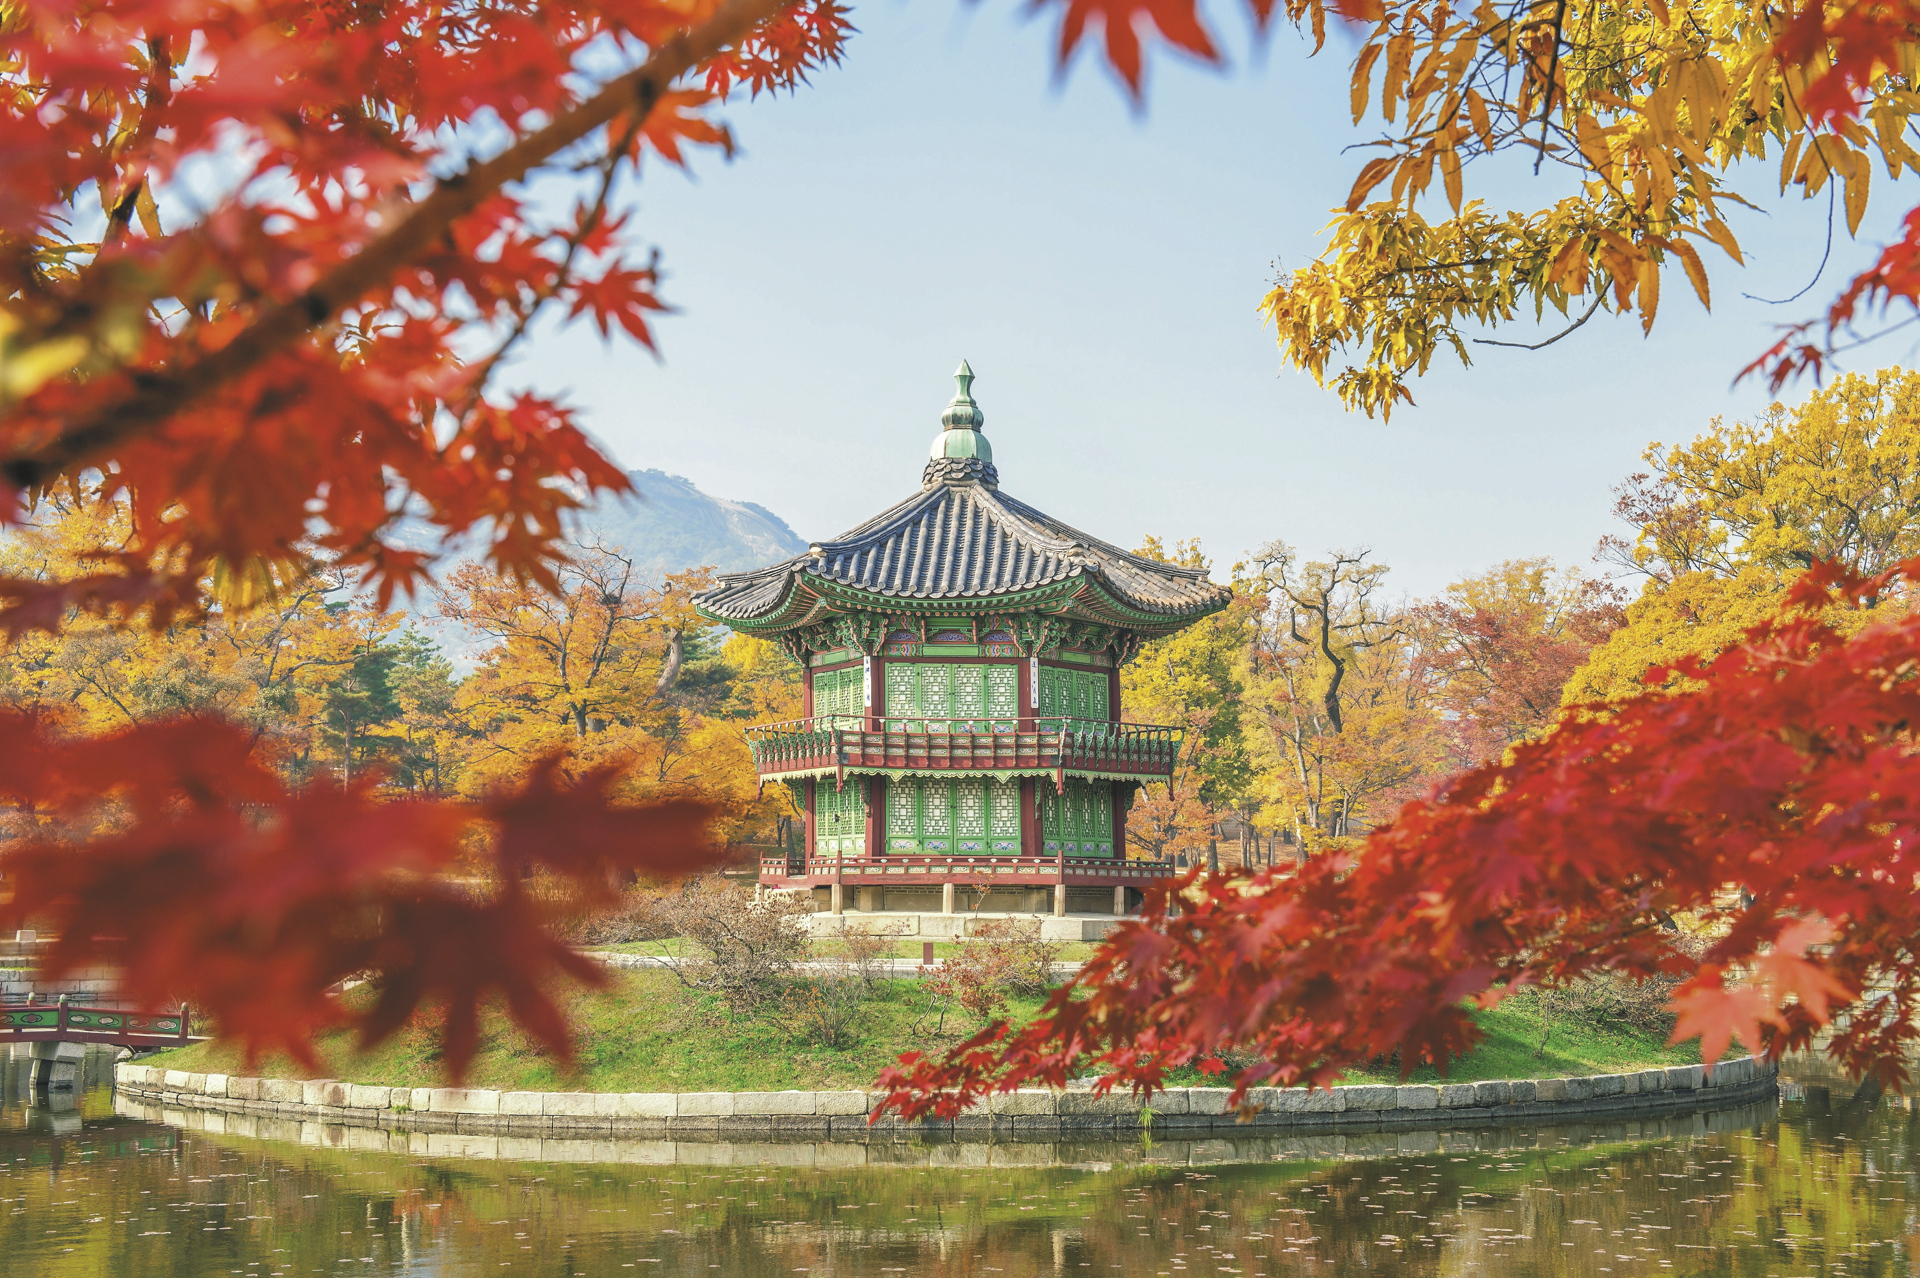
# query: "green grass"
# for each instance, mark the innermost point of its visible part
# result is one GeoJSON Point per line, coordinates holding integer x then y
{"type": "Point", "coordinates": [648, 1033]}
{"type": "Point", "coordinates": [1576, 1046]}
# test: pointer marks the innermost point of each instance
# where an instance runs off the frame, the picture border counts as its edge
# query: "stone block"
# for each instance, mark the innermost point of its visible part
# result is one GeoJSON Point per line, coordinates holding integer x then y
{"type": "Point", "coordinates": [1683, 1078]}
{"type": "Point", "coordinates": [1630, 1084]}
{"type": "Point", "coordinates": [783, 1104]}
{"type": "Point", "coordinates": [1026, 1103]}
{"type": "Point", "coordinates": [1456, 1096]}
{"type": "Point", "coordinates": [1306, 1100]}
{"type": "Point", "coordinates": [175, 1080]}
{"type": "Point", "coordinates": [1416, 1096]}
{"type": "Point", "coordinates": [523, 1103]}
{"type": "Point", "coordinates": [840, 1102]}
{"type": "Point", "coordinates": [281, 1091]}
{"type": "Point", "coordinates": [1368, 1098]}
{"type": "Point", "coordinates": [1112, 1106]}
{"type": "Point", "coordinates": [1207, 1100]}
{"type": "Point", "coordinates": [1550, 1090]}
{"type": "Point", "coordinates": [244, 1088]}
{"type": "Point", "coordinates": [1652, 1080]}
{"type": "Point", "coordinates": [570, 1104]}
{"type": "Point", "coordinates": [1488, 1094]}
{"type": "Point", "coordinates": [935, 927]}
{"type": "Point", "coordinates": [363, 1097]}
{"type": "Point", "coordinates": [1579, 1089]}
{"type": "Point", "coordinates": [464, 1100]}
{"type": "Point", "coordinates": [324, 1091]}
{"type": "Point", "coordinates": [1607, 1085]}
{"type": "Point", "coordinates": [419, 1099]}
{"type": "Point", "coordinates": [880, 925]}
{"type": "Point", "coordinates": [655, 1107]}
{"type": "Point", "coordinates": [214, 1084]}
{"type": "Point", "coordinates": [1172, 1101]}
{"type": "Point", "coordinates": [704, 1105]}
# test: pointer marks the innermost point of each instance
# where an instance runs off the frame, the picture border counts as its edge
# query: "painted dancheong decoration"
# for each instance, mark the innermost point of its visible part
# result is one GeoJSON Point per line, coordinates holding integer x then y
{"type": "Point", "coordinates": [963, 655]}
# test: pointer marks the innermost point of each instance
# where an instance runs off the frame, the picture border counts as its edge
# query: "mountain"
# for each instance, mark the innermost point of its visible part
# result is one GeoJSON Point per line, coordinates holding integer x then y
{"type": "Point", "coordinates": [670, 525]}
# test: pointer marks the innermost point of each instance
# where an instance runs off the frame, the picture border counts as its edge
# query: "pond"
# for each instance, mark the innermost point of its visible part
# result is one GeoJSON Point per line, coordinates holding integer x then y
{"type": "Point", "coordinates": [1820, 1183]}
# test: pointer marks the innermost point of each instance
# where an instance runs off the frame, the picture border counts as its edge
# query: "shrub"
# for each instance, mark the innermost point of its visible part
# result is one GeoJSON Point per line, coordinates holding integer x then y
{"type": "Point", "coordinates": [867, 952]}
{"type": "Point", "coordinates": [977, 980]}
{"type": "Point", "coordinates": [744, 949]}
{"type": "Point", "coordinates": [1030, 958]}
{"type": "Point", "coordinates": [826, 1006]}
{"type": "Point", "coordinates": [640, 916]}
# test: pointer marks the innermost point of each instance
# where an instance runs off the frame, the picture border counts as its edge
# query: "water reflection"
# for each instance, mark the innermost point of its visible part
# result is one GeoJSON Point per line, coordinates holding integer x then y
{"type": "Point", "coordinates": [1798, 1188]}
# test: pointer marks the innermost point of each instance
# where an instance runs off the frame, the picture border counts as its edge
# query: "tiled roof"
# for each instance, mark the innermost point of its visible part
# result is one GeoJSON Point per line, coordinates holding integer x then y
{"type": "Point", "coordinates": [966, 541]}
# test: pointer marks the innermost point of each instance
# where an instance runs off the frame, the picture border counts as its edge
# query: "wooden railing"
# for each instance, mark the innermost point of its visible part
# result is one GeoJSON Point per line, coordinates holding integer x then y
{"type": "Point", "coordinates": [64, 1023]}
{"type": "Point", "coordinates": [970, 869]}
{"type": "Point", "coordinates": [841, 743]}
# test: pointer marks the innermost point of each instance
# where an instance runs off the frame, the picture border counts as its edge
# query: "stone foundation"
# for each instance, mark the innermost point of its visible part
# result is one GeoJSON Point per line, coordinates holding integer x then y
{"type": "Point", "coordinates": [846, 1115]}
{"type": "Point", "coordinates": [952, 927]}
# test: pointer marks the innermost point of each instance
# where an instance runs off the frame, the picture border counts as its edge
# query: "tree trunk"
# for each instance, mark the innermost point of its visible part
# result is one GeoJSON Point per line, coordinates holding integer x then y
{"type": "Point", "coordinates": [670, 669]}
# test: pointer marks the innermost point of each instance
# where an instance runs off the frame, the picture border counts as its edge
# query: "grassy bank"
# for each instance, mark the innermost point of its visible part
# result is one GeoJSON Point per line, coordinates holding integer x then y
{"type": "Point", "coordinates": [648, 1033]}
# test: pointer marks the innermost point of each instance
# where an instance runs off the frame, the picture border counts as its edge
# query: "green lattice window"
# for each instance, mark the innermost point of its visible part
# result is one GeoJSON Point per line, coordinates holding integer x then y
{"type": "Point", "coordinates": [1073, 694]}
{"type": "Point", "coordinates": [952, 697]}
{"type": "Point", "coordinates": [963, 815]}
{"type": "Point", "coordinates": [1079, 822]}
{"type": "Point", "coordinates": [839, 697]}
{"type": "Point", "coordinates": [840, 817]}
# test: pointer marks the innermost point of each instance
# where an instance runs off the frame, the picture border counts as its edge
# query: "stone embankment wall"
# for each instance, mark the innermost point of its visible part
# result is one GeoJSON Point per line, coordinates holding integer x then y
{"type": "Point", "coordinates": [18, 956]}
{"type": "Point", "coordinates": [844, 1115]}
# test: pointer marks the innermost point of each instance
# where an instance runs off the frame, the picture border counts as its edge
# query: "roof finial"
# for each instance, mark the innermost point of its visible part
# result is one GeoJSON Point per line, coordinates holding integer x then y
{"type": "Point", "coordinates": [961, 454]}
{"type": "Point", "coordinates": [963, 413]}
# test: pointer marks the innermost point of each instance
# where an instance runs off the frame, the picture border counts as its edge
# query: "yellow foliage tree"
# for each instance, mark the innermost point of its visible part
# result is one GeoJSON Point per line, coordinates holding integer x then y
{"type": "Point", "coordinates": [1640, 113]}
{"type": "Point", "coordinates": [275, 666]}
{"type": "Point", "coordinates": [1725, 523]}
{"type": "Point", "coordinates": [609, 667]}
{"type": "Point", "coordinates": [1339, 697]}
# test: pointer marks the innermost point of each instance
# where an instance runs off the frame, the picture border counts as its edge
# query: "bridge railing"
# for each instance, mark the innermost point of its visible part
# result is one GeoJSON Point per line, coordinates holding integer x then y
{"type": "Point", "coordinates": [113, 1026]}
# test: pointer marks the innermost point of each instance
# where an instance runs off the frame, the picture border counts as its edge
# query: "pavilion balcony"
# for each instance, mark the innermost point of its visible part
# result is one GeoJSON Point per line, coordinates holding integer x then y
{"type": "Point", "coordinates": [998, 871]}
{"type": "Point", "coordinates": [835, 745]}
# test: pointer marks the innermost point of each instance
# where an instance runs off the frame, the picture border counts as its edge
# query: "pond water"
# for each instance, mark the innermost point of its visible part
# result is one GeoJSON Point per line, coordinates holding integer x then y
{"type": "Point", "coordinates": [1821, 1183]}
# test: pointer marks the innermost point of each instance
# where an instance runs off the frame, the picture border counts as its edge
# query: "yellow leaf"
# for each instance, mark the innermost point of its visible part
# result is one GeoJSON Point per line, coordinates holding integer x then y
{"type": "Point", "coordinates": [1477, 111]}
{"type": "Point", "coordinates": [1450, 174]}
{"type": "Point", "coordinates": [1859, 178]}
{"type": "Point", "coordinates": [23, 372]}
{"type": "Point", "coordinates": [1787, 158]}
{"type": "Point", "coordinates": [1696, 270]}
{"type": "Point", "coordinates": [1393, 86]}
{"type": "Point", "coordinates": [1649, 292]}
{"type": "Point", "coordinates": [1362, 77]}
{"type": "Point", "coordinates": [1371, 175]}
{"type": "Point", "coordinates": [1721, 235]}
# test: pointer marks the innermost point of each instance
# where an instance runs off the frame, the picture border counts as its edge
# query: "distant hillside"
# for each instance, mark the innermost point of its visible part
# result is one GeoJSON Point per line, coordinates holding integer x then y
{"type": "Point", "coordinates": [672, 525]}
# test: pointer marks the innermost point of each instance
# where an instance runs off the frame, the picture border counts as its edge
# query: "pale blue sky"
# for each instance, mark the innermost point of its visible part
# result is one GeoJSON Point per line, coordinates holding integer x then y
{"type": "Point", "coordinates": [940, 196]}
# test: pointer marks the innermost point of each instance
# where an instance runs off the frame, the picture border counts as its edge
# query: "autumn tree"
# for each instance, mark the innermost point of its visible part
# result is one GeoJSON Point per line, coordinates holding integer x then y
{"type": "Point", "coordinates": [1644, 123]}
{"type": "Point", "coordinates": [287, 373]}
{"type": "Point", "coordinates": [1339, 696]}
{"type": "Point", "coordinates": [1723, 525]}
{"type": "Point", "coordinates": [1190, 680]}
{"type": "Point", "coordinates": [1501, 646]}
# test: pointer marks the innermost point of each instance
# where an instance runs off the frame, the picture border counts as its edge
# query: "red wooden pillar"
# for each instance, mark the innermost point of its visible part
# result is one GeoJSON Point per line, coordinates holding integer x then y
{"type": "Point", "coordinates": [1113, 693]}
{"type": "Point", "coordinates": [1121, 793]}
{"type": "Point", "coordinates": [1026, 696]}
{"type": "Point", "coordinates": [806, 688]}
{"type": "Point", "coordinates": [876, 815]}
{"type": "Point", "coordinates": [1030, 844]}
{"type": "Point", "coordinates": [807, 851]}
